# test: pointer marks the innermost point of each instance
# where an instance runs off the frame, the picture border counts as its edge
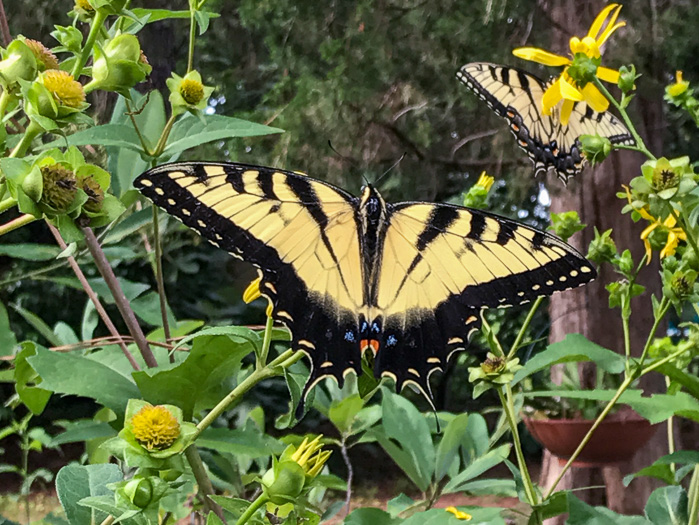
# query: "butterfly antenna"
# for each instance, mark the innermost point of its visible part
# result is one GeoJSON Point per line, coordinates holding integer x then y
{"type": "Point", "coordinates": [352, 162]}
{"type": "Point", "coordinates": [376, 182]}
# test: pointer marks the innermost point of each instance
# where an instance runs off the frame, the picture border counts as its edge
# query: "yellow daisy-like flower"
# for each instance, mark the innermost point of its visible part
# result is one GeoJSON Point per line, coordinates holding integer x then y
{"type": "Point", "coordinates": [674, 233]}
{"type": "Point", "coordinates": [252, 292]}
{"type": "Point", "coordinates": [64, 88]}
{"type": "Point", "coordinates": [155, 428]}
{"type": "Point", "coordinates": [460, 514]}
{"type": "Point", "coordinates": [311, 457]}
{"type": "Point", "coordinates": [679, 87]}
{"type": "Point", "coordinates": [565, 88]}
{"type": "Point", "coordinates": [192, 91]}
{"type": "Point", "coordinates": [485, 181]}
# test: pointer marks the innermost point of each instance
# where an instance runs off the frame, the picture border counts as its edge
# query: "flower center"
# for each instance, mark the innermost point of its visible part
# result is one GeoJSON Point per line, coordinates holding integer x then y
{"type": "Point", "coordinates": [155, 427]}
{"type": "Point", "coordinates": [192, 91]}
{"type": "Point", "coordinates": [65, 89]}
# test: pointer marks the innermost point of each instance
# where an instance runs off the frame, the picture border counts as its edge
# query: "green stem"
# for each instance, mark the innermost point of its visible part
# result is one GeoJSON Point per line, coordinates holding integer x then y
{"type": "Point", "coordinates": [16, 223]}
{"type": "Point", "coordinates": [160, 282]}
{"type": "Point", "coordinates": [162, 141]}
{"type": "Point", "coordinates": [100, 17]}
{"type": "Point", "coordinates": [141, 138]}
{"type": "Point", "coordinates": [266, 342]}
{"type": "Point", "coordinates": [7, 204]}
{"type": "Point", "coordinates": [5, 99]}
{"type": "Point", "coordinates": [662, 310]}
{"type": "Point", "coordinates": [670, 432]}
{"type": "Point", "coordinates": [254, 506]}
{"type": "Point", "coordinates": [640, 145]}
{"type": "Point", "coordinates": [108, 520]}
{"type": "Point", "coordinates": [508, 407]}
{"type": "Point", "coordinates": [272, 369]}
{"type": "Point", "coordinates": [625, 326]}
{"type": "Point", "coordinates": [29, 135]}
{"type": "Point", "coordinates": [525, 326]}
{"type": "Point", "coordinates": [192, 37]}
{"type": "Point", "coordinates": [693, 496]}
{"type": "Point", "coordinates": [622, 388]}
{"type": "Point", "coordinates": [206, 489]}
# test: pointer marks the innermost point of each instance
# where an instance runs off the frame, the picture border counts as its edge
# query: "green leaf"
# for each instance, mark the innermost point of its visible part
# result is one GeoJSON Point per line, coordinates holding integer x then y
{"type": "Point", "coordinates": [342, 412]}
{"type": "Point", "coordinates": [189, 132]}
{"type": "Point", "coordinates": [574, 348]}
{"type": "Point", "coordinates": [655, 408]}
{"type": "Point", "coordinates": [213, 519]}
{"type": "Point", "coordinates": [204, 377]}
{"type": "Point", "coordinates": [448, 447]}
{"type": "Point", "coordinates": [33, 397]}
{"type": "Point", "coordinates": [688, 381]}
{"type": "Point", "coordinates": [147, 308]}
{"type": "Point", "coordinates": [70, 374]}
{"type": "Point", "coordinates": [82, 430]}
{"type": "Point", "coordinates": [478, 467]}
{"type": "Point", "coordinates": [75, 482]}
{"type": "Point", "coordinates": [295, 382]}
{"type": "Point", "coordinates": [8, 341]}
{"type": "Point", "coordinates": [38, 324]}
{"type": "Point", "coordinates": [119, 135]}
{"type": "Point", "coordinates": [129, 226]}
{"type": "Point", "coordinates": [583, 514]}
{"type": "Point", "coordinates": [30, 252]}
{"type": "Point", "coordinates": [668, 506]}
{"type": "Point", "coordinates": [235, 506]}
{"type": "Point", "coordinates": [369, 516]}
{"type": "Point", "coordinates": [248, 441]}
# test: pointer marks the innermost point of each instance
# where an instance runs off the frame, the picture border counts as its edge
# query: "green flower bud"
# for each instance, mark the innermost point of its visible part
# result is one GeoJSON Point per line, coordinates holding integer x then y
{"type": "Point", "coordinates": [665, 175]}
{"type": "Point", "coordinates": [566, 224]}
{"type": "Point", "coordinates": [627, 78]}
{"type": "Point", "coordinates": [139, 491]}
{"type": "Point", "coordinates": [595, 148]}
{"type": "Point", "coordinates": [494, 370]}
{"type": "Point", "coordinates": [680, 286]}
{"type": "Point", "coordinates": [32, 184]}
{"type": "Point", "coordinates": [602, 247]}
{"type": "Point", "coordinates": [493, 365]}
{"type": "Point", "coordinates": [70, 38]}
{"type": "Point", "coordinates": [284, 482]}
{"type": "Point", "coordinates": [59, 187]}
{"type": "Point", "coordinates": [119, 65]}
{"type": "Point", "coordinates": [18, 63]}
{"type": "Point", "coordinates": [55, 95]}
{"type": "Point", "coordinates": [188, 93]}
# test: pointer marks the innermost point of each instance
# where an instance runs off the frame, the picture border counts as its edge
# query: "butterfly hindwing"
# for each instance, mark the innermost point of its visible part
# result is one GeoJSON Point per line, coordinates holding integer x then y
{"type": "Point", "coordinates": [442, 264]}
{"type": "Point", "coordinates": [300, 233]}
{"type": "Point", "coordinates": [516, 96]}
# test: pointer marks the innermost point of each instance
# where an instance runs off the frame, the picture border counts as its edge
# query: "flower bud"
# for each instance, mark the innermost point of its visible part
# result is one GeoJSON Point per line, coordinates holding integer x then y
{"type": "Point", "coordinates": [665, 175]}
{"type": "Point", "coordinates": [602, 247]}
{"type": "Point", "coordinates": [139, 491]}
{"type": "Point", "coordinates": [188, 93]}
{"type": "Point", "coordinates": [595, 148]}
{"type": "Point", "coordinates": [493, 364]}
{"type": "Point", "coordinates": [284, 482]}
{"type": "Point", "coordinates": [118, 66]}
{"type": "Point", "coordinates": [478, 193]}
{"type": "Point", "coordinates": [679, 88]}
{"type": "Point", "coordinates": [154, 427]}
{"type": "Point", "coordinates": [55, 95]}
{"type": "Point", "coordinates": [627, 78]}
{"type": "Point", "coordinates": [566, 224]}
{"type": "Point", "coordinates": [18, 63]}
{"type": "Point", "coordinates": [45, 59]}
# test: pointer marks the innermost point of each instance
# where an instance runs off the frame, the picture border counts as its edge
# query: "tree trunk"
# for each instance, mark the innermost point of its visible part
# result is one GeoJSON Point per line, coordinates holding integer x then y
{"type": "Point", "coordinates": [586, 310]}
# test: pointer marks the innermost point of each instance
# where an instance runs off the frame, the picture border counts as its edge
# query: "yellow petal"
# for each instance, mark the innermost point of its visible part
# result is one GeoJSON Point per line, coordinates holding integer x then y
{"type": "Point", "coordinates": [566, 110]}
{"type": "Point", "coordinates": [649, 251]}
{"type": "Point", "coordinates": [534, 54]}
{"type": "Point", "coordinates": [552, 96]}
{"type": "Point", "coordinates": [647, 231]}
{"type": "Point", "coordinates": [670, 222]}
{"type": "Point", "coordinates": [594, 98]}
{"type": "Point", "coordinates": [608, 75]}
{"type": "Point", "coordinates": [599, 21]}
{"type": "Point", "coordinates": [670, 246]}
{"type": "Point", "coordinates": [569, 91]}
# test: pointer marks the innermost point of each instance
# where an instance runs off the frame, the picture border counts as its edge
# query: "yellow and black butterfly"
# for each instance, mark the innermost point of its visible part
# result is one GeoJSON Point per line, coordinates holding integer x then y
{"type": "Point", "coordinates": [351, 274]}
{"type": "Point", "coordinates": [516, 96]}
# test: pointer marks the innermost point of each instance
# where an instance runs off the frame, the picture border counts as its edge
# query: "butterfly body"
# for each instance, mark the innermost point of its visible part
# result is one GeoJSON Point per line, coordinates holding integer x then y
{"type": "Point", "coordinates": [350, 274]}
{"type": "Point", "coordinates": [516, 96]}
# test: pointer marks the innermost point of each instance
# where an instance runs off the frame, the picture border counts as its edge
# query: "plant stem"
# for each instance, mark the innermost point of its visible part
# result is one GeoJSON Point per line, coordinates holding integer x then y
{"type": "Point", "coordinates": [203, 481]}
{"type": "Point", "coordinates": [524, 327]}
{"type": "Point", "coordinates": [119, 298]}
{"type": "Point", "coordinates": [266, 342]}
{"type": "Point", "coordinates": [141, 138]}
{"type": "Point", "coordinates": [693, 496]}
{"type": "Point", "coordinates": [159, 277]}
{"type": "Point", "coordinates": [670, 432]}
{"type": "Point", "coordinates": [4, 101]}
{"type": "Point", "coordinates": [192, 37]}
{"type": "Point", "coordinates": [622, 388]}
{"type": "Point", "coordinates": [283, 361]}
{"type": "Point", "coordinates": [350, 474]}
{"type": "Point", "coordinates": [100, 17]}
{"type": "Point", "coordinates": [162, 141]}
{"type": "Point", "coordinates": [508, 407]}
{"type": "Point", "coordinates": [254, 506]}
{"type": "Point", "coordinates": [29, 135]}
{"type": "Point", "coordinates": [108, 520]}
{"type": "Point", "coordinates": [662, 309]}
{"type": "Point", "coordinates": [640, 145]}
{"type": "Point", "coordinates": [7, 204]}
{"type": "Point", "coordinates": [93, 297]}
{"type": "Point", "coordinates": [20, 221]}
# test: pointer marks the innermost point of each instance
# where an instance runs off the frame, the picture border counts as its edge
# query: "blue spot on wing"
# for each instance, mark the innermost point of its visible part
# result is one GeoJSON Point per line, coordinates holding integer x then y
{"type": "Point", "coordinates": [349, 336]}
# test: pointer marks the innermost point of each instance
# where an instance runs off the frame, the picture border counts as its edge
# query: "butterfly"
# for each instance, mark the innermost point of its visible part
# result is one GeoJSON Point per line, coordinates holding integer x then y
{"type": "Point", "coordinates": [516, 96]}
{"type": "Point", "coordinates": [349, 275]}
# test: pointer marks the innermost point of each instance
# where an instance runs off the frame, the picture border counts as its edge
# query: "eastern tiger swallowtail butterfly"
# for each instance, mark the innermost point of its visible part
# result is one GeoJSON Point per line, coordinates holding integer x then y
{"type": "Point", "coordinates": [516, 96]}
{"type": "Point", "coordinates": [347, 274]}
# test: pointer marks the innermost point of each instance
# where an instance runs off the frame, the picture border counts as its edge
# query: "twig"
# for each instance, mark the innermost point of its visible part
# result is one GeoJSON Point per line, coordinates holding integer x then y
{"type": "Point", "coordinates": [206, 489]}
{"type": "Point", "coordinates": [122, 303]}
{"type": "Point", "coordinates": [93, 297]}
{"type": "Point", "coordinates": [4, 26]}
{"type": "Point", "coordinates": [350, 473]}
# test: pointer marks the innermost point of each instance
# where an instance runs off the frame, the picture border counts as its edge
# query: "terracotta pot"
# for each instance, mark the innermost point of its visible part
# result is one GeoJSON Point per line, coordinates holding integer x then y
{"type": "Point", "coordinates": [614, 440]}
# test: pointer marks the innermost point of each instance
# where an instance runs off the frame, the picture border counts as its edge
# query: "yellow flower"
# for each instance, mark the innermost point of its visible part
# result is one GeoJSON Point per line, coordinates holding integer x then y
{"type": "Point", "coordinates": [310, 456]}
{"type": "Point", "coordinates": [252, 292]}
{"type": "Point", "coordinates": [485, 181]}
{"type": "Point", "coordinates": [565, 88]}
{"type": "Point", "coordinates": [64, 88]}
{"type": "Point", "coordinates": [459, 513]}
{"type": "Point", "coordinates": [192, 91]}
{"type": "Point", "coordinates": [679, 87]}
{"type": "Point", "coordinates": [674, 233]}
{"type": "Point", "coordinates": [154, 427]}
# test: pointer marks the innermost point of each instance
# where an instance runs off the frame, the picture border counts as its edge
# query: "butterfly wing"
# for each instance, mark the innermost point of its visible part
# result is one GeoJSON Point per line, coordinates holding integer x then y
{"type": "Point", "coordinates": [300, 233]}
{"type": "Point", "coordinates": [516, 96]}
{"type": "Point", "coordinates": [441, 265]}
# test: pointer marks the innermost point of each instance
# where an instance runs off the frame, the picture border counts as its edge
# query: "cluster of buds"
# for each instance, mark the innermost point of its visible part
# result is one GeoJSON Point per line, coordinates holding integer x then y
{"type": "Point", "coordinates": [494, 372]}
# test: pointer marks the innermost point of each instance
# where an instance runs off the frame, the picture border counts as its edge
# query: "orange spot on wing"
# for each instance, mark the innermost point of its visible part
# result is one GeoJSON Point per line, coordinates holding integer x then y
{"type": "Point", "coordinates": [369, 343]}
